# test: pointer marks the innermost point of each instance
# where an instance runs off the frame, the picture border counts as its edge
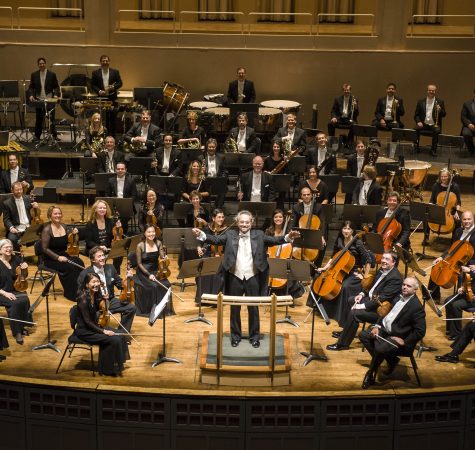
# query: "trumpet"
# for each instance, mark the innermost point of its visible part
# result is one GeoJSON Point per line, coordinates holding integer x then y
{"type": "Point", "coordinates": [354, 103]}
{"type": "Point", "coordinates": [394, 111]}
{"type": "Point", "coordinates": [436, 114]}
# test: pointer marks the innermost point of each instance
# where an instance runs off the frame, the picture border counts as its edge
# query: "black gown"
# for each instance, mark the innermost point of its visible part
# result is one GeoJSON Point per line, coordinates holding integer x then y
{"type": "Point", "coordinates": [113, 350]}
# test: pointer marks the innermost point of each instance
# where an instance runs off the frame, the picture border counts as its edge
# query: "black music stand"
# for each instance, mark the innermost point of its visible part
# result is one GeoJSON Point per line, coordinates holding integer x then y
{"type": "Point", "coordinates": [89, 166]}
{"type": "Point", "coordinates": [404, 135]}
{"type": "Point", "coordinates": [140, 165]}
{"type": "Point", "coordinates": [8, 89]}
{"type": "Point", "coordinates": [134, 241]}
{"type": "Point", "coordinates": [348, 185]}
{"type": "Point", "coordinates": [258, 209]}
{"type": "Point", "coordinates": [45, 294]}
{"type": "Point", "coordinates": [409, 261]}
{"type": "Point", "coordinates": [449, 143]}
{"type": "Point", "coordinates": [374, 243]}
{"type": "Point", "coordinates": [282, 183]}
{"type": "Point", "coordinates": [217, 185]}
{"type": "Point", "coordinates": [333, 183]}
{"type": "Point", "coordinates": [148, 96]}
{"type": "Point", "coordinates": [241, 161]}
{"type": "Point", "coordinates": [188, 155]}
{"type": "Point", "coordinates": [123, 206]}
{"type": "Point", "coordinates": [309, 239]}
{"type": "Point", "coordinates": [365, 131]}
{"type": "Point", "coordinates": [166, 186]}
{"type": "Point", "coordinates": [181, 211]}
{"type": "Point", "coordinates": [427, 212]}
{"type": "Point", "coordinates": [359, 214]}
{"type": "Point", "coordinates": [199, 268]}
{"type": "Point", "coordinates": [101, 182]}
{"type": "Point", "coordinates": [31, 234]}
{"type": "Point", "coordinates": [291, 270]}
{"type": "Point", "coordinates": [382, 168]}
{"type": "Point", "coordinates": [119, 249]}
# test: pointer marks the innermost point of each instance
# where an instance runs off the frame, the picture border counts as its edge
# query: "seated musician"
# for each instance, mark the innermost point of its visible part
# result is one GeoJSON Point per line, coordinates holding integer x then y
{"type": "Point", "coordinates": [256, 185]}
{"type": "Point", "coordinates": [275, 157]}
{"type": "Point", "coordinates": [151, 208]}
{"type": "Point", "coordinates": [244, 137]}
{"type": "Point", "coordinates": [3, 340]}
{"type": "Point", "coordinates": [54, 243]}
{"type": "Point", "coordinates": [441, 185]}
{"type": "Point", "coordinates": [193, 136]}
{"type": "Point", "coordinates": [199, 216]}
{"type": "Point", "coordinates": [386, 287]}
{"type": "Point", "coordinates": [16, 303]}
{"type": "Point", "coordinates": [322, 157]}
{"type": "Point", "coordinates": [110, 157]}
{"type": "Point", "coordinates": [460, 344]}
{"type": "Point", "coordinates": [344, 112]}
{"type": "Point", "coordinates": [467, 117]}
{"type": "Point", "coordinates": [389, 110]}
{"type": "Point", "coordinates": [355, 162]}
{"type": "Point", "coordinates": [195, 180]}
{"type": "Point", "coordinates": [109, 278]}
{"type": "Point", "coordinates": [94, 136]}
{"type": "Point", "coordinates": [316, 186]}
{"type": "Point", "coordinates": [168, 161]}
{"type": "Point", "coordinates": [291, 133]}
{"type": "Point", "coordinates": [151, 281]}
{"type": "Point", "coordinates": [143, 137]}
{"type": "Point", "coordinates": [367, 191]}
{"type": "Point", "coordinates": [404, 326]}
{"type": "Point", "coordinates": [13, 174]}
{"type": "Point", "coordinates": [339, 308]}
{"type": "Point", "coordinates": [113, 348]}
{"type": "Point", "coordinates": [214, 165]}
{"type": "Point", "coordinates": [17, 214]}
{"type": "Point", "coordinates": [241, 90]}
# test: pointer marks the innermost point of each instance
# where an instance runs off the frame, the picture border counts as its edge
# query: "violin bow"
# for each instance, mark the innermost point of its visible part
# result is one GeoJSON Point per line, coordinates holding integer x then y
{"type": "Point", "coordinates": [18, 320]}
{"type": "Point", "coordinates": [122, 326]}
{"type": "Point", "coordinates": [164, 287]}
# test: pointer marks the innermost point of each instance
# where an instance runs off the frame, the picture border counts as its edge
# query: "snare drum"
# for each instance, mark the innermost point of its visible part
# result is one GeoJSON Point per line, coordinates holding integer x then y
{"type": "Point", "coordinates": [174, 96]}
{"type": "Point", "coordinates": [416, 171]}
{"type": "Point", "coordinates": [201, 106]}
{"type": "Point", "coordinates": [222, 121]}
{"type": "Point", "coordinates": [286, 106]}
{"type": "Point", "coordinates": [270, 120]}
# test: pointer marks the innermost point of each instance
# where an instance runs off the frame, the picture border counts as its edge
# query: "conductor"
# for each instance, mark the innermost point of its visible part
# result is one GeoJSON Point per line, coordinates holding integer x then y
{"type": "Point", "coordinates": [245, 268]}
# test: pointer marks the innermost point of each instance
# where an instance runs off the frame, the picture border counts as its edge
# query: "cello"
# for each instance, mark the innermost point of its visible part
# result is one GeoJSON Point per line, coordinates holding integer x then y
{"type": "Point", "coordinates": [282, 251]}
{"type": "Point", "coordinates": [328, 284]}
{"type": "Point", "coordinates": [449, 201]}
{"type": "Point", "coordinates": [310, 222]}
{"type": "Point", "coordinates": [389, 228]}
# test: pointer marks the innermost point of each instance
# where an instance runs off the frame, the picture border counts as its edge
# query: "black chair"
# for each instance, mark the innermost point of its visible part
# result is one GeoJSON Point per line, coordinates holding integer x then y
{"type": "Point", "coordinates": [74, 342]}
{"type": "Point", "coordinates": [42, 268]}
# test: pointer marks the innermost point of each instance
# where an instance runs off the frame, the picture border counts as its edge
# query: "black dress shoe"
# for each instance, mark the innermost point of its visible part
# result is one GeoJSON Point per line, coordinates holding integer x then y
{"type": "Point", "coordinates": [2, 358]}
{"type": "Point", "coordinates": [368, 380]}
{"type": "Point", "coordinates": [451, 338]}
{"type": "Point", "coordinates": [392, 363]}
{"type": "Point", "coordinates": [25, 333]}
{"type": "Point", "coordinates": [255, 343]}
{"type": "Point", "coordinates": [337, 347]}
{"type": "Point", "coordinates": [234, 342]}
{"type": "Point", "coordinates": [336, 334]}
{"type": "Point", "coordinates": [19, 339]}
{"type": "Point", "coordinates": [447, 358]}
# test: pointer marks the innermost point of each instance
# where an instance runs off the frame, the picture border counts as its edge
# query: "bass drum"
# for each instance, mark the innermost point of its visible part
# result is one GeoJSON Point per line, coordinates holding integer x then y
{"type": "Point", "coordinates": [69, 106]}
{"type": "Point", "coordinates": [174, 97]}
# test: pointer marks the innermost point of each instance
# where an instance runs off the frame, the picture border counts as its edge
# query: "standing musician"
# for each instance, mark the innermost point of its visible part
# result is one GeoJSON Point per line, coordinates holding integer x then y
{"type": "Point", "coordinates": [95, 135]}
{"type": "Point", "coordinates": [321, 157]}
{"type": "Point", "coordinates": [15, 173]}
{"type": "Point", "coordinates": [17, 214]}
{"type": "Point", "coordinates": [199, 216]}
{"type": "Point", "coordinates": [291, 133]}
{"type": "Point", "coordinates": [195, 181]}
{"type": "Point", "coordinates": [193, 136]}
{"type": "Point", "coordinates": [441, 186]}
{"type": "Point", "coordinates": [106, 82]}
{"type": "Point", "coordinates": [386, 287]}
{"type": "Point", "coordinates": [110, 157]}
{"type": "Point", "coordinates": [256, 186]}
{"type": "Point", "coordinates": [144, 136]}
{"type": "Point", "coordinates": [389, 110]}
{"type": "Point", "coordinates": [244, 136]}
{"type": "Point", "coordinates": [152, 266]}
{"type": "Point", "coordinates": [54, 242]}
{"type": "Point", "coordinates": [16, 303]}
{"type": "Point", "coordinates": [316, 186]}
{"type": "Point", "coordinates": [109, 278]}
{"type": "Point", "coordinates": [214, 165]}
{"type": "Point", "coordinates": [168, 162]}
{"type": "Point", "coordinates": [344, 113]}
{"type": "Point", "coordinates": [460, 344]}
{"type": "Point", "coordinates": [367, 191]}
{"type": "Point", "coordinates": [113, 348]}
{"type": "Point", "coordinates": [241, 90]}
{"type": "Point", "coordinates": [404, 326]}
{"type": "Point", "coordinates": [468, 123]}
{"type": "Point", "coordinates": [151, 209]}
{"type": "Point", "coordinates": [244, 268]}
{"type": "Point", "coordinates": [43, 85]}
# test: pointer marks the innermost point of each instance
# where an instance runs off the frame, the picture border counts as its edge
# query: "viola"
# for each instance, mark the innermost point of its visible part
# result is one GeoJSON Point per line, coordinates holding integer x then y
{"type": "Point", "coordinates": [163, 266]}
{"type": "Point", "coordinates": [35, 213]}
{"type": "Point", "coordinates": [384, 306]}
{"type": "Point", "coordinates": [73, 244]}
{"type": "Point", "coordinates": [282, 251]}
{"type": "Point", "coordinates": [21, 282]}
{"type": "Point", "coordinates": [328, 284]}
{"type": "Point", "coordinates": [310, 222]}
{"type": "Point", "coordinates": [467, 286]}
{"type": "Point", "coordinates": [389, 228]}
{"type": "Point", "coordinates": [117, 232]}
{"type": "Point", "coordinates": [446, 272]}
{"type": "Point", "coordinates": [449, 201]}
{"type": "Point", "coordinates": [128, 294]}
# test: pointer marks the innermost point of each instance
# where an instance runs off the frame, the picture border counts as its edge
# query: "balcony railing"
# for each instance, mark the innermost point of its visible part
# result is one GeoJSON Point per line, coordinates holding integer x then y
{"type": "Point", "coordinates": [458, 30]}
{"type": "Point", "coordinates": [22, 9]}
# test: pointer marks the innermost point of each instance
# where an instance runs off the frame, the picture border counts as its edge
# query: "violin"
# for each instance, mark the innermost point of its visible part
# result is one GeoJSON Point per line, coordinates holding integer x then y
{"type": "Point", "coordinates": [448, 200]}
{"type": "Point", "coordinates": [282, 251]}
{"type": "Point", "coordinates": [21, 282]}
{"type": "Point", "coordinates": [73, 244]}
{"type": "Point", "coordinates": [35, 212]}
{"type": "Point", "coordinates": [104, 313]}
{"type": "Point", "coordinates": [218, 250]}
{"type": "Point", "coordinates": [151, 220]}
{"type": "Point", "coordinates": [310, 222]}
{"type": "Point", "coordinates": [467, 286]}
{"type": "Point", "coordinates": [389, 228]}
{"type": "Point", "coordinates": [127, 294]}
{"type": "Point", "coordinates": [384, 306]}
{"type": "Point", "coordinates": [117, 232]}
{"type": "Point", "coordinates": [328, 284]}
{"type": "Point", "coordinates": [163, 266]}
{"type": "Point", "coordinates": [445, 273]}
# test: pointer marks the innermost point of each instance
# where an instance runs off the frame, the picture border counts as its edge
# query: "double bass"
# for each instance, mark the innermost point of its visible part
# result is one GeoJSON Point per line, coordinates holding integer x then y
{"type": "Point", "coordinates": [389, 228]}
{"type": "Point", "coordinates": [282, 251]}
{"type": "Point", "coordinates": [448, 200]}
{"type": "Point", "coordinates": [310, 222]}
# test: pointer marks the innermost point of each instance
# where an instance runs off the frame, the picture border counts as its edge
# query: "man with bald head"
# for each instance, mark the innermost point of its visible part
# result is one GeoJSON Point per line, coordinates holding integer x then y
{"type": "Point", "coordinates": [256, 185]}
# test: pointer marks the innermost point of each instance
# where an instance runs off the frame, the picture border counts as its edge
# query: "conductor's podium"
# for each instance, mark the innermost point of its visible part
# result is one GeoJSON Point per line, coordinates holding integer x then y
{"type": "Point", "coordinates": [268, 365]}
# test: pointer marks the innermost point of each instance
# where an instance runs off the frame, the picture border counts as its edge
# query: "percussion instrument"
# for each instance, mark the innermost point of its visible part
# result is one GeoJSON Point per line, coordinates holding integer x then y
{"type": "Point", "coordinates": [201, 106]}
{"type": "Point", "coordinates": [385, 160]}
{"type": "Point", "coordinates": [89, 95]}
{"type": "Point", "coordinates": [174, 96]}
{"type": "Point", "coordinates": [125, 97]}
{"type": "Point", "coordinates": [222, 121]}
{"type": "Point", "coordinates": [416, 171]}
{"type": "Point", "coordinates": [52, 101]}
{"type": "Point", "coordinates": [270, 120]}
{"type": "Point", "coordinates": [98, 103]}
{"type": "Point", "coordinates": [286, 106]}
{"type": "Point", "coordinates": [78, 108]}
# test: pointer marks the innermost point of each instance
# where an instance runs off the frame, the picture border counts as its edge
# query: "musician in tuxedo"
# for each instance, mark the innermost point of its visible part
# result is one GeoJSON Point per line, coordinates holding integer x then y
{"type": "Point", "coordinates": [402, 328]}
{"type": "Point", "coordinates": [367, 191]}
{"type": "Point", "coordinates": [109, 158]}
{"type": "Point", "coordinates": [168, 162]}
{"type": "Point", "coordinates": [292, 133]}
{"type": "Point", "coordinates": [110, 278]}
{"type": "Point", "coordinates": [241, 90]}
{"type": "Point", "coordinates": [344, 113]}
{"type": "Point", "coordinates": [386, 287]}
{"type": "Point", "coordinates": [17, 214]}
{"type": "Point", "coordinates": [143, 136]}
{"type": "Point", "coordinates": [468, 123]}
{"type": "Point", "coordinates": [15, 173]}
{"type": "Point", "coordinates": [256, 185]}
{"type": "Point", "coordinates": [245, 268]}
{"type": "Point", "coordinates": [214, 165]}
{"type": "Point", "coordinates": [355, 162]}
{"type": "Point", "coordinates": [43, 85]}
{"type": "Point", "coordinates": [389, 110]}
{"type": "Point", "coordinates": [321, 156]}
{"type": "Point", "coordinates": [460, 344]}
{"type": "Point", "coordinates": [428, 116]}
{"type": "Point", "coordinates": [244, 136]}
{"type": "Point", "coordinates": [105, 82]}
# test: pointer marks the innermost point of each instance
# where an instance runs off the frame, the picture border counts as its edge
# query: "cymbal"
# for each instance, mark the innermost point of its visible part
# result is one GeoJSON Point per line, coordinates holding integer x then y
{"type": "Point", "coordinates": [89, 95]}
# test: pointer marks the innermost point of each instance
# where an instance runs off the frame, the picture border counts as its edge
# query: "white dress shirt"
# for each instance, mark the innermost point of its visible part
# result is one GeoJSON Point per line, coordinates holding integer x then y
{"type": "Point", "coordinates": [430, 103]}
{"type": "Point", "coordinates": [14, 174]}
{"type": "Point", "coordinates": [212, 172]}
{"type": "Point", "coordinates": [120, 187]}
{"type": "Point", "coordinates": [396, 309]}
{"type": "Point", "coordinates": [256, 193]}
{"type": "Point", "coordinates": [22, 215]}
{"type": "Point", "coordinates": [380, 279]}
{"type": "Point", "coordinates": [241, 140]}
{"type": "Point", "coordinates": [363, 198]}
{"type": "Point", "coordinates": [389, 108]}
{"type": "Point", "coordinates": [359, 165]}
{"type": "Point", "coordinates": [166, 159]}
{"type": "Point", "coordinates": [102, 275]}
{"type": "Point", "coordinates": [244, 268]}
{"type": "Point", "coordinates": [105, 78]}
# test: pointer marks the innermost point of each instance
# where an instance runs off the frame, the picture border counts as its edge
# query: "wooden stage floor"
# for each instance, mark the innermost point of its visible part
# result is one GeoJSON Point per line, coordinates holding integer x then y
{"type": "Point", "coordinates": [341, 375]}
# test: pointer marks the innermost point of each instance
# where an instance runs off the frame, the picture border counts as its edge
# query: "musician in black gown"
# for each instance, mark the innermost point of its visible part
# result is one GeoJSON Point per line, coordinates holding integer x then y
{"type": "Point", "coordinates": [316, 186]}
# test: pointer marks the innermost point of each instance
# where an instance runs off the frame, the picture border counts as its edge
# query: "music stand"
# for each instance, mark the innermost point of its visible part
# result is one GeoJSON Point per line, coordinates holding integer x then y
{"type": "Point", "coordinates": [257, 209]}
{"type": "Point", "coordinates": [181, 211]}
{"type": "Point", "coordinates": [101, 181]}
{"type": "Point", "coordinates": [119, 249]}
{"type": "Point", "coordinates": [199, 268]}
{"type": "Point", "coordinates": [426, 212]}
{"type": "Point", "coordinates": [166, 186]}
{"type": "Point", "coordinates": [31, 234]}
{"type": "Point", "coordinates": [282, 183]}
{"type": "Point", "coordinates": [188, 155]}
{"type": "Point", "coordinates": [134, 241]}
{"type": "Point", "coordinates": [241, 161]}
{"type": "Point", "coordinates": [297, 165]}
{"type": "Point", "coordinates": [291, 270]}
{"type": "Point", "coordinates": [449, 144]}
{"type": "Point", "coordinates": [359, 214]}
{"type": "Point", "coordinates": [374, 242]}
{"type": "Point", "coordinates": [348, 184]}
{"type": "Point", "coordinates": [382, 168]}
{"type": "Point", "coordinates": [124, 206]}
{"type": "Point", "coordinates": [365, 131]}
{"type": "Point", "coordinates": [140, 165]}
{"type": "Point", "coordinates": [404, 135]}
{"type": "Point", "coordinates": [89, 165]}
{"type": "Point", "coordinates": [148, 96]}
{"type": "Point", "coordinates": [409, 261]}
{"type": "Point", "coordinates": [217, 185]}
